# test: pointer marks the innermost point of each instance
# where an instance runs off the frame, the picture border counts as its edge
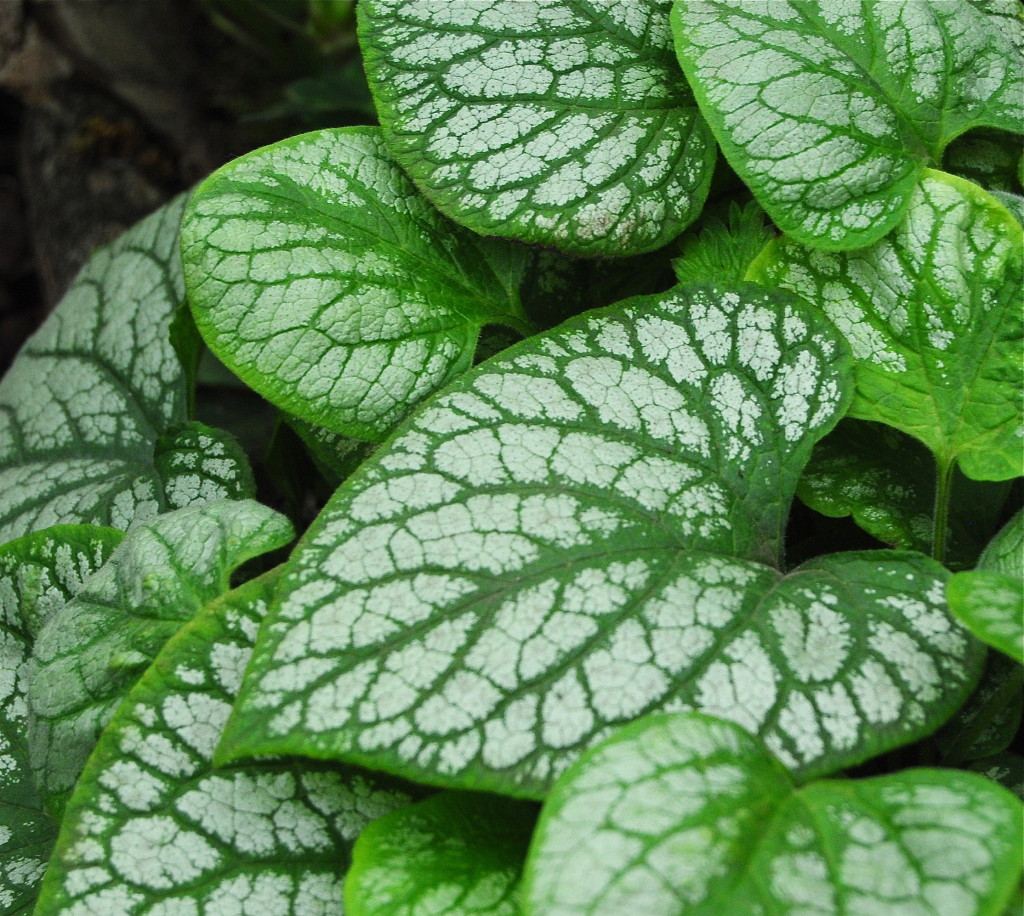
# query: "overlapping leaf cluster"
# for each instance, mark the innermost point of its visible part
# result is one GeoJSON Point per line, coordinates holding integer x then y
{"type": "Point", "coordinates": [561, 642]}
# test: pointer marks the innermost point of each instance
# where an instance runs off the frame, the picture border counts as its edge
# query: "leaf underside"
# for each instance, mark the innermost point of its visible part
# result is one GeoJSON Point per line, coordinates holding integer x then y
{"type": "Point", "coordinates": [564, 123]}
{"type": "Point", "coordinates": [829, 111]}
{"type": "Point", "coordinates": [688, 814]}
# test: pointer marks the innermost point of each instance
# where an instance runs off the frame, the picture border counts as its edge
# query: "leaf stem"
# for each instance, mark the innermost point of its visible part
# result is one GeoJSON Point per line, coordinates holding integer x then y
{"type": "Point", "coordinates": [940, 517]}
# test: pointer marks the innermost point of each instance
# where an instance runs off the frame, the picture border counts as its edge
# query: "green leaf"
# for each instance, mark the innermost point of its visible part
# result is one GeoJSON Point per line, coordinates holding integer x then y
{"type": "Point", "coordinates": [684, 814]}
{"type": "Point", "coordinates": [153, 828]}
{"type": "Point", "coordinates": [199, 464]}
{"type": "Point", "coordinates": [987, 723]}
{"type": "Point", "coordinates": [574, 534]}
{"type": "Point", "coordinates": [1005, 552]}
{"type": "Point", "coordinates": [38, 574]}
{"type": "Point", "coordinates": [86, 400]}
{"type": "Point", "coordinates": [885, 480]}
{"type": "Point", "coordinates": [986, 157]}
{"type": "Point", "coordinates": [933, 315]}
{"type": "Point", "coordinates": [334, 454]}
{"type": "Point", "coordinates": [1008, 770]}
{"type": "Point", "coordinates": [723, 249]}
{"type": "Point", "coordinates": [1013, 202]}
{"type": "Point", "coordinates": [564, 123]}
{"type": "Point", "coordinates": [456, 852]}
{"type": "Point", "coordinates": [991, 606]}
{"type": "Point", "coordinates": [90, 652]}
{"type": "Point", "coordinates": [989, 600]}
{"type": "Point", "coordinates": [829, 111]}
{"type": "Point", "coordinates": [321, 278]}
{"type": "Point", "coordinates": [41, 572]}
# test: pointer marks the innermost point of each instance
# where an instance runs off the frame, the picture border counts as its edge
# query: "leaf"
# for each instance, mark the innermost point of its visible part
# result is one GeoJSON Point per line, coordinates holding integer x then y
{"type": "Point", "coordinates": [93, 390]}
{"type": "Point", "coordinates": [986, 157]}
{"type": "Point", "coordinates": [723, 249]}
{"type": "Point", "coordinates": [575, 534]}
{"type": "Point", "coordinates": [563, 123]}
{"type": "Point", "coordinates": [41, 572]}
{"type": "Point", "coordinates": [153, 828]}
{"type": "Point", "coordinates": [885, 480]}
{"type": "Point", "coordinates": [90, 653]}
{"type": "Point", "coordinates": [336, 456]}
{"type": "Point", "coordinates": [933, 315]}
{"type": "Point", "coordinates": [320, 277]}
{"type": "Point", "coordinates": [1014, 203]}
{"type": "Point", "coordinates": [199, 464]}
{"type": "Point", "coordinates": [38, 574]}
{"type": "Point", "coordinates": [989, 600]}
{"type": "Point", "coordinates": [685, 814]}
{"type": "Point", "coordinates": [987, 723]}
{"type": "Point", "coordinates": [991, 606]}
{"type": "Point", "coordinates": [829, 111]}
{"type": "Point", "coordinates": [456, 852]}
{"type": "Point", "coordinates": [1007, 769]}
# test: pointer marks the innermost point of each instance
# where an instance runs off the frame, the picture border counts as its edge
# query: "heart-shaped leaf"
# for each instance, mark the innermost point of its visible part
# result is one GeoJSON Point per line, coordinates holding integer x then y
{"type": "Point", "coordinates": [319, 275]}
{"type": "Point", "coordinates": [89, 654]}
{"type": "Point", "coordinates": [89, 395]}
{"type": "Point", "coordinates": [684, 814]}
{"type": "Point", "coordinates": [564, 122]}
{"type": "Point", "coordinates": [829, 111]}
{"type": "Point", "coordinates": [989, 600]}
{"type": "Point", "coordinates": [39, 573]}
{"type": "Point", "coordinates": [457, 852]}
{"type": "Point", "coordinates": [573, 535]}
{"type": "Point", "coordinates": [885, 480]}
{"type": "Point", "coordinates": [153, 828]}
{"type": "Point", "coordinates": [933, 315]}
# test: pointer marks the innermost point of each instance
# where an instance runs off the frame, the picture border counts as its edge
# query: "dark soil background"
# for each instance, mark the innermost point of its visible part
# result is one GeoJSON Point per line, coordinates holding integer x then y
{"type": "Point", "coordinates": [110, 107]}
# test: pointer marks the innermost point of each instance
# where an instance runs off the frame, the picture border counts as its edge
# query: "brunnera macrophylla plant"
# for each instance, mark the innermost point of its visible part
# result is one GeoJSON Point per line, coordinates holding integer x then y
{"type": "Point", "coordinates": [669, 359]}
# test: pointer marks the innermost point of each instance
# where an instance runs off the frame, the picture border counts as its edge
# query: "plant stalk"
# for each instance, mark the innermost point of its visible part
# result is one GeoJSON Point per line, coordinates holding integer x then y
{"type": "Point", "coordinates": [940, 516]}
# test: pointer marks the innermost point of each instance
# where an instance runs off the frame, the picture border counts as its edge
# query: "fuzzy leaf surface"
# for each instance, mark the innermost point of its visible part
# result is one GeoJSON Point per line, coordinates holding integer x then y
{"type": "Point", "coordinates": [153, 828]}
{"type": "Point", "coordinates": [933, 315]}
{"type": "Point", "coordinates": [724, 247]}
{"type": "Point", "coordinates": [685, 815]}
{"type": "Point", "coordinates": [829, 111]}
{"type": "Point", "coordinates": [579, 532]}
{"type": "Point", "coordinates": [90, 653]}
{"type": "Point", "coordinates": [456, 853]}
{"type": "Point", "coordinates": [84, 403]}
{"type": "Point", "coordinates": [319, 276]}
{"type": "Point", "coordinates": [39, 573]}
{"type": "Point", "coordinates": [562, 122]}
